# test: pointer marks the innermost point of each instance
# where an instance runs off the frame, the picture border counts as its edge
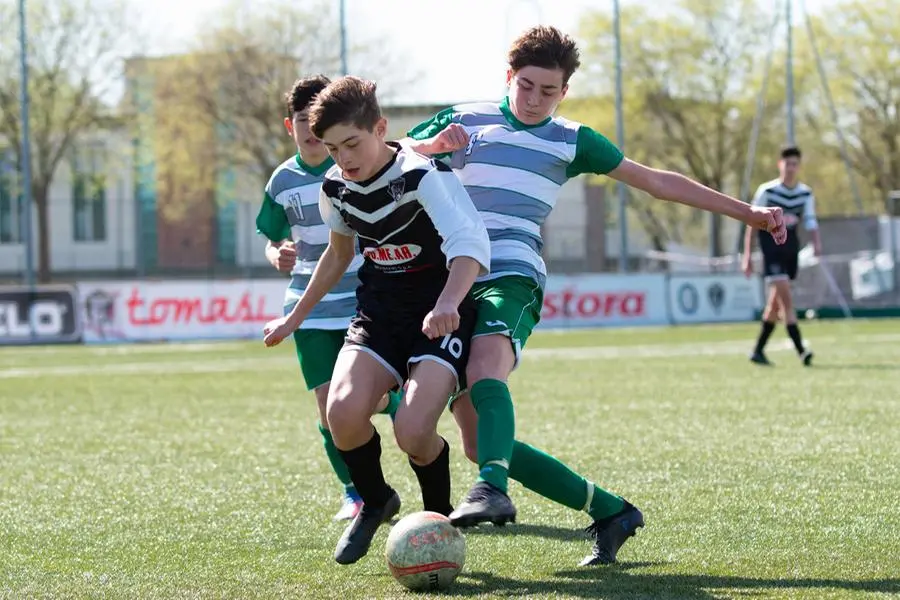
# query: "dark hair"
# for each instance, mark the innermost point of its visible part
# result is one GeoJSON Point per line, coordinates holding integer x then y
{"type": "Point", "coordinates": [791, 151]}
{"type": "Point", "coordinates": [346, 100]}
{"type": "Point", "coordinates": [303, 92]}
{"type": "Point", "coordinates": [545, 47]}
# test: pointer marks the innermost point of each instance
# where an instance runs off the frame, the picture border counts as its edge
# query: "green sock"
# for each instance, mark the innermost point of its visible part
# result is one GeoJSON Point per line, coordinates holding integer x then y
{"type": "Point", "coordinates": [549, 477]}
{"type": "Point", "coordinates": [394, 399]}
{"type": "Point", "coordinates": [335, 458]}
{"type": "Point", "coordinates": [496, 430]}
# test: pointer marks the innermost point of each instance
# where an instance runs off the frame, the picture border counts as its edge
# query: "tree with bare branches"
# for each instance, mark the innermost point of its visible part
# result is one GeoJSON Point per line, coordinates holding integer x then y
{"type": "Point", "coordinates": [76, 48]}
{"type": "Point", "coordinates": [691, 77]}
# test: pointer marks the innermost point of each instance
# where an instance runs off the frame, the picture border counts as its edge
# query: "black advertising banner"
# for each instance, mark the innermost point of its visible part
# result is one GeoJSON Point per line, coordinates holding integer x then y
{"type": "Point", "coordinates": [41, 315]}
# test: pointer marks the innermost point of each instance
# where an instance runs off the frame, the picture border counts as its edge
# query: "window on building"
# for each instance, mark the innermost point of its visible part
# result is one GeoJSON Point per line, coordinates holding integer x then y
{"type": "Point", "coordinates": [10, 200]}
{"type": "Point", "coordinates": [89, 194]}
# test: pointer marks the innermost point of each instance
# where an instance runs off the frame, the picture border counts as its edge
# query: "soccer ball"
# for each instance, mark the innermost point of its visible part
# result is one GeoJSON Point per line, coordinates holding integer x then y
{"type": "Point", "coordinates": [425, 552]}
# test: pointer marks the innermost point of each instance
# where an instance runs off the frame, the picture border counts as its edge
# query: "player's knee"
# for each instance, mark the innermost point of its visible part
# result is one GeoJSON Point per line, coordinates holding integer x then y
{"type": "Point", "coordinates": [492, 361]}
{"type": "Point", "coordinates": [413, 435]}
{"type": "Point", "coordinates": [322, 404]}
{"type": "Point", "coordinates": [346, 413]}
{"type": "Point", "coordinates": [783, 291]}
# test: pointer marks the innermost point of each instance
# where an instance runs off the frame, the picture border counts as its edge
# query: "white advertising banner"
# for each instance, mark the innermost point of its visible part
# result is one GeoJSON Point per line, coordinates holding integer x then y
{"type": "Point", "coordinates": [604, 301]}
{"type": "Point", "coordinates": [714, 298]}
{"type": "Point", "coordinates": [129, 311]}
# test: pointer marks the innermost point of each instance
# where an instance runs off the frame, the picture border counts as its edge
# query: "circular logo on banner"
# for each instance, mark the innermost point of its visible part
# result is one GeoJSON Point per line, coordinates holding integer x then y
{"type": "Point", "coordinates": [688, 299]}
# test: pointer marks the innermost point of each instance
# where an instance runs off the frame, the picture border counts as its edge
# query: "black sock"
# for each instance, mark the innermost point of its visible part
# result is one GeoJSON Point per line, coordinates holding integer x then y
{"type": "Point", "coordinates": [364, 464]}
{"type": "Point", "coordinates": [764, 333]}
{"type": "Point", "coordinates": [434, 479]}
{"type": "Point", "coordinates": [794, 332]}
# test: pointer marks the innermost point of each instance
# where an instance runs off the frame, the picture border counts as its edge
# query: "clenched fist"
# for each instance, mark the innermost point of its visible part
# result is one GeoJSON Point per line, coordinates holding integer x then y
{"type": "Point", "coordinates": [771, 220]}
{"type": "Point", "coordinates": [442, 320]}
{"type": "Point", "coordinates": [452, 138]}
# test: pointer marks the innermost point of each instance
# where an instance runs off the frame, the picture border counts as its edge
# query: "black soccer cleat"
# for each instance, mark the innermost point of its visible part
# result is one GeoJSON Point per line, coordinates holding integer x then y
{"type": "Point", "coordinates": [357, 537]}
{"type": "Point", "coordinates": [610, 533]}
{"type": "Point", "coordinates": [807, 357]}
{"type": "Point", "coordinates": [446, 511]}
{"type": "Point", "coordinates": [484, 503]}
{"type": "Point", "coordinates": [760, 359]}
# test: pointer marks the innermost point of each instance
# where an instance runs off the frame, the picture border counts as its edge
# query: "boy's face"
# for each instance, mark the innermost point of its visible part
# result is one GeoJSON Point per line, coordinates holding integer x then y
{"type": "Point", "coordinates": [298, 128]}
{"type": "Point", "coordinates": [358, 152]}
{"type": "Point", "coordinates": [789, 168]}
{"type": "Point", "coordinates": [535, 92]}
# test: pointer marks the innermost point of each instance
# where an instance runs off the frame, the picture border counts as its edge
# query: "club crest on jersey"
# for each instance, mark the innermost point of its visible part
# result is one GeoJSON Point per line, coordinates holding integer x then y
{"type": "Point", "coordinates": [396, 188]}
{"type": "Point", "coordinates": [390, 255]}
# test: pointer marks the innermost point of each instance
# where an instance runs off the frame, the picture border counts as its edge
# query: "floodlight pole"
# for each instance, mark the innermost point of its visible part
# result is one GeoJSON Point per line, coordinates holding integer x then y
{"type": "Point", "coordinates": [620, 140]}
{"type": "Point", "coordinates": [791, 138]}
{"type": "Point", "coordinates": [344, 70]}
{"type": "Point", "coordinates": [25, 154]}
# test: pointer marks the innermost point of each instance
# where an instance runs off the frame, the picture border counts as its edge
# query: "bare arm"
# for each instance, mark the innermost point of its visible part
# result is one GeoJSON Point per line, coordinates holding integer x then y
{"type": "Point", "coordinates": [748, 241]}
{"type": "Point", "coordinates": [465, 244]}
{"type": "Point", "coordinates": [331, 267]}
{"type": "Point", "coordinates": [811, 223]}
{"type": "Point", "coordinates": [463, 271]}
{"type": "Point", "coordinates": [675, 187]}
{"type": "Point", "coordinates": [816, 239]}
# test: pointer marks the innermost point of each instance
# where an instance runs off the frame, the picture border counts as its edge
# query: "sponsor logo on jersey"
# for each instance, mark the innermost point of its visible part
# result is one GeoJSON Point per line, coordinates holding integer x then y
{"type": "Point", "coordinates": [390, 255]}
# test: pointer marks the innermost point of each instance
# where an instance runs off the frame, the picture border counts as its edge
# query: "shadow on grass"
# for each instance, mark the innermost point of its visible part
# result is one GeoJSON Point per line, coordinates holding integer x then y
{"type": "Point", "coordinates": [620, 582]}
{"type": "Point", "coordinates": [566, 534]}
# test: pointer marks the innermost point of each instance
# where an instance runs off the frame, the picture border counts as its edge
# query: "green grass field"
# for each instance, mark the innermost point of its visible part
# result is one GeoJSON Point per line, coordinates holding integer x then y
{"type": "Point", "coordinates": [196, 471]}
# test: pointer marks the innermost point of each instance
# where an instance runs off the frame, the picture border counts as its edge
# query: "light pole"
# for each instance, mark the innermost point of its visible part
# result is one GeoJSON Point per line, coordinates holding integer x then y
{"type": "Point", "coordinates": [791, 139]}
{"type": "Point", "coordinates": [620, 140]}
{"type": "Point", "coordinates": [343, 17]}
{"type": "Point", "coordinates": [26, 152]}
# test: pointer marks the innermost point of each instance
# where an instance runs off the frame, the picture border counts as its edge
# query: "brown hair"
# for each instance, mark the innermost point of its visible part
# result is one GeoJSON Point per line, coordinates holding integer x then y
{"type": "Point", "coordinates": [346, 100]}
{"type": "Point", "coordinates": [545, 47]}
{"type": "Point", "coordinates": [303, 92]}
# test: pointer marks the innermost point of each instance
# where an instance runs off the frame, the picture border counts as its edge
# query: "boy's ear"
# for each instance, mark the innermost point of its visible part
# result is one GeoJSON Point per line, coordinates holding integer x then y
{"type": "Point", "coordinates": [381, 128]}
{"type": "Point", "coordinates": [289, 125]}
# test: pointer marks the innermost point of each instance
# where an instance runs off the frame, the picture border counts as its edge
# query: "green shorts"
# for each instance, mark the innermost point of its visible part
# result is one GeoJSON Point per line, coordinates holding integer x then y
{"type": "Point", "coordinates": [317, 351]}
{"type": "Point", "coordinates": [509, 306]}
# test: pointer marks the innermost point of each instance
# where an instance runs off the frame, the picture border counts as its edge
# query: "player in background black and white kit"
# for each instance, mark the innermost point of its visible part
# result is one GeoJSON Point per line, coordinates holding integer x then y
{"type": "Point", "coordinates": [423, 245]}
{"type": "Point", "coordinates": [797, 201]}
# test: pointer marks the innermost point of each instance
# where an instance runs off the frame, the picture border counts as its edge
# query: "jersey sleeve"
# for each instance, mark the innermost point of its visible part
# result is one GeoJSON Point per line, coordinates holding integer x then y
{"type": "Point", "coordinates": [450, 208]}
{"type": "Point", "coordinates": [594, 153]}
{"type": "Point", "coordinates": [271, 221]}
{"type": "Point", "coordinates": [433, 126]}
{"type": "Point", "coordinates": [810, 222]}
{"type": "Point", "coordinates": [331, 217]}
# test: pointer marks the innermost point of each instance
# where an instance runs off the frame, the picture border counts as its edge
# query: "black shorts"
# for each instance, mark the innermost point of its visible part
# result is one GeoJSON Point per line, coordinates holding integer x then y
{"type": "Point", "coordinates": [779, 262]}
{"type": "Point", "coordinates": [394, 337]}
{"type": "Point", "coordinates": [779, 265]}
